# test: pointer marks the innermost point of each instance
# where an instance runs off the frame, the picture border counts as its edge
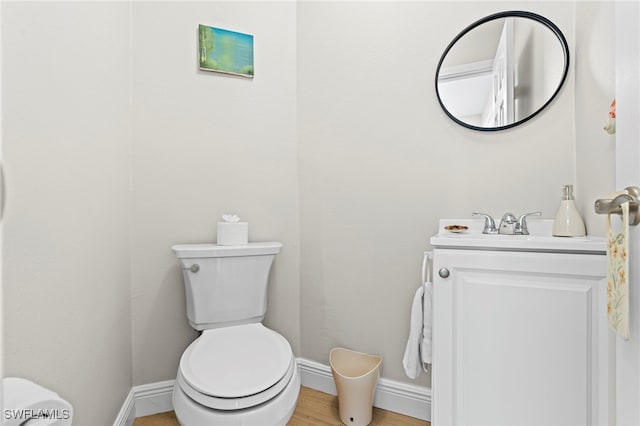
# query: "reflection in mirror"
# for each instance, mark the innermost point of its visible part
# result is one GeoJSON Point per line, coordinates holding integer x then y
{"type": "Point", "coordinates": [502, 70]}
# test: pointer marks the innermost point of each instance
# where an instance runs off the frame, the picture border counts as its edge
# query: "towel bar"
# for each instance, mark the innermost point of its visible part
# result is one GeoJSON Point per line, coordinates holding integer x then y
{"type": "Point", "coordinates": [426, 267]}
{"type": "Point", "coordinates": [614, 206]}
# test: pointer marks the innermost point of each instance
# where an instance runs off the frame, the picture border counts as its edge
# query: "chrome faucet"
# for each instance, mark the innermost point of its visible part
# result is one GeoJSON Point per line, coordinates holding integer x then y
{"type": "Point", "coordinates": [509, 224]}
{"type": "Point", "coordinates": [521, 224]}
{"type": "Point", "coordinates": [489, 223]}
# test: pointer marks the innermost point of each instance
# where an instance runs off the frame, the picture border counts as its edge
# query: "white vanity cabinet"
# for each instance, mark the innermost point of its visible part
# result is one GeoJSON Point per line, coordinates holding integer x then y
{"type": "Point", "coordinates": [520, 335]}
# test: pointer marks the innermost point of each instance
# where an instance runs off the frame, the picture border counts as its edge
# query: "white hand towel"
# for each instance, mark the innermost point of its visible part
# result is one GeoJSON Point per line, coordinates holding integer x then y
{"type": "Point", "coordinates": [427, 301]}
{"type": "Point", "coordinates": [411, 360]}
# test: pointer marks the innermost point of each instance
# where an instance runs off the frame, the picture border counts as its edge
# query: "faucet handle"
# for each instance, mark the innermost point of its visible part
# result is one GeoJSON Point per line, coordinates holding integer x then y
{"type": "Point", "coordinates": [521, 224]}
{"type": "Point", "coordinates": [489, 223]}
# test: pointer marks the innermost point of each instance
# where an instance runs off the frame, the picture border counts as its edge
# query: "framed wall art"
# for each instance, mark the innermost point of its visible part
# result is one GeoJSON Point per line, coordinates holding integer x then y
{"type": "Point", "coordinates": [225, 51]}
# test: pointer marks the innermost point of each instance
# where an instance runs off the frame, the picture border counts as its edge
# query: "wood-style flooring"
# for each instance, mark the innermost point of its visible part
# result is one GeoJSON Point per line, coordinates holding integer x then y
{"type": "Point", "coordinates": [314, 408]}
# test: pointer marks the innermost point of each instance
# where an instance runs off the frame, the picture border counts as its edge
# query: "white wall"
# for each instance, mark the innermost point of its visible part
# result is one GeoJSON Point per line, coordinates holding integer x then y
{"type": "Point", "coordinates": [595, 89]}
{"type": "Point", "coordinates": [338, 148]}
{"type": "Point", "coordinates": [65, 147]}
{"type": "Point", "coordinates": [380, 163]}
{"type": "Point", "coordinates": [205, 144]}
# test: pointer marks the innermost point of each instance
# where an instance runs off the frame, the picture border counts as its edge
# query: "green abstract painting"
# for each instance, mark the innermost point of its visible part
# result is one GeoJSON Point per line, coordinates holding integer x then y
{"type": "Point", "coordinates": [225, 51]}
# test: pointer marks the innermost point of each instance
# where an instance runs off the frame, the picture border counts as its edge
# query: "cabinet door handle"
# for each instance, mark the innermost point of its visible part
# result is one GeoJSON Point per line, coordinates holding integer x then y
{"type": "Point", "coordinates": [443, 272]}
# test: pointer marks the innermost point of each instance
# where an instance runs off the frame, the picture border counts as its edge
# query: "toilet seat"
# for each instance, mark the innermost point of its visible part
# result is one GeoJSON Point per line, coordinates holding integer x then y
{"type": "Point", "coordinates": [236, 367]}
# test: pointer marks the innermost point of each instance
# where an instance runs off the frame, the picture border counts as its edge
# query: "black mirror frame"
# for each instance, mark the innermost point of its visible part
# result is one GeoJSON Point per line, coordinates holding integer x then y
{"type": "Point", "coordinates": [508, 14]}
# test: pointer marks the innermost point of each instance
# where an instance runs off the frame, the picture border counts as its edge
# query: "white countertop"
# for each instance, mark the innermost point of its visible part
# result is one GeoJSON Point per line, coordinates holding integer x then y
{"type": "Point", "coordinates": [540, 238]}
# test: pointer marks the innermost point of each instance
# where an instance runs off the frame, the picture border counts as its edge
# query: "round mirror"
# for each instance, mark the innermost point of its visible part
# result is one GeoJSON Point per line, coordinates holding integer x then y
{"type": "Point", "coordinates": [502, 70]}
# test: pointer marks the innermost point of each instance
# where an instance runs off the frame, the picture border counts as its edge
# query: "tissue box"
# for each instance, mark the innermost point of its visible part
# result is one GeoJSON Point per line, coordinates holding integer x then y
{"type": "Point", "coordinates": [233, 234]}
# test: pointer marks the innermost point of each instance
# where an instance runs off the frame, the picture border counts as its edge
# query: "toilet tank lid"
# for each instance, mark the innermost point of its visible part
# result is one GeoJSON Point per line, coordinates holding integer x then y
{"type": "Point", "coordinates": [183, 251]}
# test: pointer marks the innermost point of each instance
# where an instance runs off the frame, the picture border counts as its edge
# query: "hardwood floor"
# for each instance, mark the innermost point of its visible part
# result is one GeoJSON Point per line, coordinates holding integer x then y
{"type": "Point", "coordinates": [314, 408]}
{"type": "Point", "coordinates": [318, 408]}
{"type": "Point", "coordinates": [162, 419]}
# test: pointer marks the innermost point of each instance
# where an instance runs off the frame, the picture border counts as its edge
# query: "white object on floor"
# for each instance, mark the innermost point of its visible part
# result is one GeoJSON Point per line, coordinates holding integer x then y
{"type": "Point", "coordinates": [25, 402]}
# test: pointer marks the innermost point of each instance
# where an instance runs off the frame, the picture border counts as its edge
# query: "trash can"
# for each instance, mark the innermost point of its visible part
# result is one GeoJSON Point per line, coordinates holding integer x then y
{"type": "Point", "coordinates": [356, 375]}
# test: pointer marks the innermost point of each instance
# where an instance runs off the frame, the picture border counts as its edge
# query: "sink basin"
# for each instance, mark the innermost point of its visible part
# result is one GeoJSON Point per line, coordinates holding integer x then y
{"type": "Point", "coordinates": [539, 240]}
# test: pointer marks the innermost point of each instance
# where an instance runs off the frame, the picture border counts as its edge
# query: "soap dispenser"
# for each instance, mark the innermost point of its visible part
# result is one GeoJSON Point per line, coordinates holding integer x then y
{"type": "Point", "coordinates": [568, 222]}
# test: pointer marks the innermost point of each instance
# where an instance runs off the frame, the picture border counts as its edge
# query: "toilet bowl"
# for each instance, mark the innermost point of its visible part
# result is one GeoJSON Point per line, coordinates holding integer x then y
{"type": "Point", "coordinates": [238, 372]}
{"type": "Point", "coordinates": [243, 374]}
{"type": "Point", "coordinates": [27, 403]}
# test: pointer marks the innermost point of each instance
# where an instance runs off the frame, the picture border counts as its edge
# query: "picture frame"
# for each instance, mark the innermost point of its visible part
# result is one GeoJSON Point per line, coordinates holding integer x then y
{"type": "Point", "coordinates": [225, 51]}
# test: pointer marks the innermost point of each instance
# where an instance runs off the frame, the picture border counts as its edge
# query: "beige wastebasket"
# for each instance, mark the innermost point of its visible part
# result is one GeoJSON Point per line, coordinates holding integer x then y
{"type": "Point", "coordinates": [356, 375]}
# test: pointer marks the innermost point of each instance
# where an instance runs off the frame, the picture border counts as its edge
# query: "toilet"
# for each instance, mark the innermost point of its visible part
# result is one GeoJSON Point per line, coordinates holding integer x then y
{"type": "Point", "coordinates": [237, 372]}
{"type": "Point", "coordinates": [27, 403]}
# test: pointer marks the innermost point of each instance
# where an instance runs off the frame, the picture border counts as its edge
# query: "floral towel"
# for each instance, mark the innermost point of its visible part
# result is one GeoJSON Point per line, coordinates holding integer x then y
{"type": "Point", "coordinates": [617, 276]}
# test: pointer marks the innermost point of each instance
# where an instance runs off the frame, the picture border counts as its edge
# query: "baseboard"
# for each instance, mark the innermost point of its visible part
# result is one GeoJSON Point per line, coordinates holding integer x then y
{"type": "Point", "coordinates": [399, 397]}
{"type": "Point", "coordinates": [127, 413]}
{"type": "Point", "coordinates": [145, 400]}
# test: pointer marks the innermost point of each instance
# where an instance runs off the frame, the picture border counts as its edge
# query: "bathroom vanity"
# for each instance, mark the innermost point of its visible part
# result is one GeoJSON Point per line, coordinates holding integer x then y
{"type": "Point", "coordinates": [520, 333]}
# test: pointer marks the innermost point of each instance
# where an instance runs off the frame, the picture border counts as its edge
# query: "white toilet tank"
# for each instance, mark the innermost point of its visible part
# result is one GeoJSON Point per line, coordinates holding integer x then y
{"type": "Point", "coordinates": [226, 285]}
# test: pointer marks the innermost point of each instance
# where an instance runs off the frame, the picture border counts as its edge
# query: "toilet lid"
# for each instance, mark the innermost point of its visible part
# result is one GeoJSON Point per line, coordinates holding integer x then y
{"type": "Point", "coordinates": [237, 361]}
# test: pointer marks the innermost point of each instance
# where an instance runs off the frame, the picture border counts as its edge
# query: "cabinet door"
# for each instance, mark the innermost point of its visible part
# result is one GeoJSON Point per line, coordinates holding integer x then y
{"type": "Point", "coordinates": [520, 339]}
